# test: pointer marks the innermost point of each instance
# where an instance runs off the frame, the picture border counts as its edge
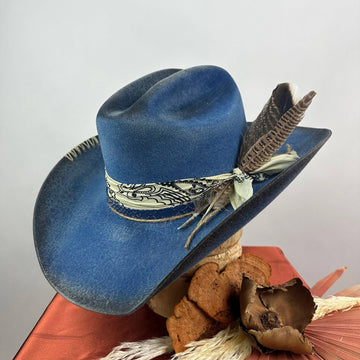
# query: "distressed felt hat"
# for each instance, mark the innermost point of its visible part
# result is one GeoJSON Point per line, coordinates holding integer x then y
{"type": "Point", "coordinates": [108, 219]}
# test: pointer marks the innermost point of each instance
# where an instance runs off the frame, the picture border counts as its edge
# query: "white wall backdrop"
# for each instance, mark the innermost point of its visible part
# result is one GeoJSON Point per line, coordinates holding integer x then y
{"type": "Point", "coordinates": [60, 60]}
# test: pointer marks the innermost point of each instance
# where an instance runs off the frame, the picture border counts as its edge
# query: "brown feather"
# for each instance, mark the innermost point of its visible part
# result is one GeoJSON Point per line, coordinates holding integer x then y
{"type": "Point", "coordinates": [270, 130]}
{"type": "Point", "coordinates": [281, 100]}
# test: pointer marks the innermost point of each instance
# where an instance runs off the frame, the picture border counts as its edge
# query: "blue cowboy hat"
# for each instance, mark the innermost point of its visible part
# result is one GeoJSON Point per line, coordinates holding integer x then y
{"type": "Point", "coordinates": [107, 221]}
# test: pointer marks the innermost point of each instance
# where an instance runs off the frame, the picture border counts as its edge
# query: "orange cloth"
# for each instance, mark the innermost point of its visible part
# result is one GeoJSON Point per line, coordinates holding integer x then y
{"type": "Point", "coordinates": [68, 332]}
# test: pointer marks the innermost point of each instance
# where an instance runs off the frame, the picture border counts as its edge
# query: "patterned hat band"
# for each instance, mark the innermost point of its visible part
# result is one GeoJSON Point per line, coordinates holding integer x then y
{"type": "Point", "coordinates": [174, 199]}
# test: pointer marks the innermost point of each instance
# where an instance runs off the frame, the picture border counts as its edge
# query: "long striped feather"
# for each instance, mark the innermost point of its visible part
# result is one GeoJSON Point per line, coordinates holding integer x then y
{"type": "Point", "coordinates": [269, 131]}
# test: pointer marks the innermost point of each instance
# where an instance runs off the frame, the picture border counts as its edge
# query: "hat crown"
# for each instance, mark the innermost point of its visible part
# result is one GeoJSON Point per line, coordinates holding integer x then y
{"type": "Point", "coordinates": [172, 124]}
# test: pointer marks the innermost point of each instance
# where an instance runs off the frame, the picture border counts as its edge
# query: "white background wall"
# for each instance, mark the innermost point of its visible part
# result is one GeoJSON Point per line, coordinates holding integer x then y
{"type": "Point", "coordinates": [60, 60]}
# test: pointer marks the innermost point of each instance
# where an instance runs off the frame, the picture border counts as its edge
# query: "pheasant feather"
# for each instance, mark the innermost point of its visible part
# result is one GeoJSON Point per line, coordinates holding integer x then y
{"type": "Point", "coordinates": [275, 123]}
{"type": "Point", "coordinates": [269, 131]}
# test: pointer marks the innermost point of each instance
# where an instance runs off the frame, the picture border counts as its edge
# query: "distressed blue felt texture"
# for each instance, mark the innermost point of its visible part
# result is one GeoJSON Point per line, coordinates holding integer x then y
{"type": "Point", "coordinates": [187, 125]}
{"type": "Point", "coordinates": [109, 264]}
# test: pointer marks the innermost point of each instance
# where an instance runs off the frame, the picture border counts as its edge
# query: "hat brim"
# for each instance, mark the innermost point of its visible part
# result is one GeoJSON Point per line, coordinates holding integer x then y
{"type": "Point", "coordinates": [109, 264]}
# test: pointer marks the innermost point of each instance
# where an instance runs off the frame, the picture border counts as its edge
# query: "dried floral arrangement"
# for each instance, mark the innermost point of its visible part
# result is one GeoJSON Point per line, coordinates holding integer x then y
{"type": "Point", "coordinates": [236, 314]}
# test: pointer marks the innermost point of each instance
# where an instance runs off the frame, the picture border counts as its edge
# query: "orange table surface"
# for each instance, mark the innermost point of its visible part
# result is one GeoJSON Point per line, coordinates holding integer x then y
{"type": "Point", "coordinates": [68, 332]}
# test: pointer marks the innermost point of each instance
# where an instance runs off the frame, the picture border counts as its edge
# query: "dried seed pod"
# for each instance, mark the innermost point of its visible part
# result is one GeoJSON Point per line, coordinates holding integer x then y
{"type": "Point", "coordinates": [217, 292]}
{"type": "Point", "coordinates": [285, 338]}
{"type": "Point", "coordinates": [277, 316]}
{"type": "Point", "coordinates": [163, 303]}
{"type": "Point", "coordinates": [212, 300]}
{"type": "Point", "coordinates": [255, 268]}
{"type": "Point", "coordinates": [190, 323]}
{"type": "Point", "coordinates": [212, 291]}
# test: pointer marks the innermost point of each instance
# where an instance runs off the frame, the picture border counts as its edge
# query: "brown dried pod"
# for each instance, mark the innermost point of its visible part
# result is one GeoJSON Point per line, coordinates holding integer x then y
{"type": "Point", "coordinates": [255, 268]}
{"type": "Point", "coordinates": [163, 303]}
{"type": "Point", "coordinates": [212, 291]}
{"type": "Point", "coordinates": [189, 323]}
{"type": "Point", "coordinates": [217, 292]}
{"type": "Point", "coordinates": [285, 338]}
{"type": "Point", "coordinates": [277, 316]}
